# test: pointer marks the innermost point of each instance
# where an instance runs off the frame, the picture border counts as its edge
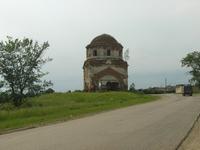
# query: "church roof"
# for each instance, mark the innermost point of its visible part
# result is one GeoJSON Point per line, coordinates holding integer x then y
{"type": "Point", "coordinates": [104, 40]}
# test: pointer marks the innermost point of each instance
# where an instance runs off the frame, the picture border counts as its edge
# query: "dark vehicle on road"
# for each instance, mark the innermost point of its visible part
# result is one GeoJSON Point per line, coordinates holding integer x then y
{"type": "Point", "coordinates": [187, 90]}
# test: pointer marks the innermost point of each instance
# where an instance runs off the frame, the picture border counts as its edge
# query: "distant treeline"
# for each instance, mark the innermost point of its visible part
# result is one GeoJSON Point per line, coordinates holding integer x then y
{"type": "Point", "coordinates": [158, 90]}
{"type": "Point", "coordinates": [162, 90]}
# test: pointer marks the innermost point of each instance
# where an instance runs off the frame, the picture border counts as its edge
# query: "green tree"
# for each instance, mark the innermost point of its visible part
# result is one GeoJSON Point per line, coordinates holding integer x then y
{"type": "Point", "coordinates": [132, 87]}
{"type": "Point", "coordinates": [20, 67]}
{"type": "Point", "coordinates": [192, 60]}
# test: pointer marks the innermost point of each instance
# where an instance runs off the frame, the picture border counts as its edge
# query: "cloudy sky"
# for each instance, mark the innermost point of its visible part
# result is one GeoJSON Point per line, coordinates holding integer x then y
{"type": "Point", "coordinates": [158, 33]}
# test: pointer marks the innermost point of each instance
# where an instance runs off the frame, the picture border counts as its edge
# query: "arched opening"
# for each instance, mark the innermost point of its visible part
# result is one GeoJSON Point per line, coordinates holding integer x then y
{"type": "Point", "coordinates": [112, 86]}
{"type": "Point", "coordinates": [109, 79]}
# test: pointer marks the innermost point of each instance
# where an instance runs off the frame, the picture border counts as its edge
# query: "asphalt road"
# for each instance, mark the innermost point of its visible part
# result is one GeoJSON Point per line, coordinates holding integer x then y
{"type": "Point", "coordinates": [158, 125]}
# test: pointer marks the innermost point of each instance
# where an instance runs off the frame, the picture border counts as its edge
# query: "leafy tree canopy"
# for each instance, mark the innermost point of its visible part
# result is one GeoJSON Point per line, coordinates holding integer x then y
{"type": "Point", "coordinates": [20, 67]}
{"type": "Point", "coordinates": [192, 60]}
{"type": "Point", "coordinates": [132, 87]}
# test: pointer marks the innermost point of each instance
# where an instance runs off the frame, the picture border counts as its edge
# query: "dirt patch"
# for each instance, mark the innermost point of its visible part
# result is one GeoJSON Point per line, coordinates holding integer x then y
{"type": "Point", "coordinates": [193, 140]}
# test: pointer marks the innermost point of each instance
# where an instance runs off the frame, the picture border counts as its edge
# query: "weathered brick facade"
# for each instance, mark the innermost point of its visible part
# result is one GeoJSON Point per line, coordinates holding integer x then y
{"type": "Point", "coordinates": [104, 68]}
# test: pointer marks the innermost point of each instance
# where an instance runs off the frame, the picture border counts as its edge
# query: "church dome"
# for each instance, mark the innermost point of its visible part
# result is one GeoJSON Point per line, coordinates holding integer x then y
{"type": "Point", "coordinates": [104, 40]}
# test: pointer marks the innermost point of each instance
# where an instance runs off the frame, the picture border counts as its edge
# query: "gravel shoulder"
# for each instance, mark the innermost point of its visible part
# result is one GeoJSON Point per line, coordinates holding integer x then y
{"type": "Point", "coordinates": [193, 140]}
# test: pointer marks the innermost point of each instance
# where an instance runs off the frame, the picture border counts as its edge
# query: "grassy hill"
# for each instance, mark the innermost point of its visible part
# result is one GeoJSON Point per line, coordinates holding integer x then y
{"type": "Point", "coordinates": [51, 108]}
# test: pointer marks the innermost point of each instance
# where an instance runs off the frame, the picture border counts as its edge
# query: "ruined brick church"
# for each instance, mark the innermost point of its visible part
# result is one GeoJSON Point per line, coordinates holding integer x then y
{"type": "Point", "coordinates": [104, 67]}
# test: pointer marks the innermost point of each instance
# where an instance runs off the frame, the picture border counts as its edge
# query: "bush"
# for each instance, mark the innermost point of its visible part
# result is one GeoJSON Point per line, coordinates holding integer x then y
{"type": "Point", "coordinates": [49, 90]}
{"type": "Point", "coordinates": [196, 89]}
{"type": "Point", "coordinates": [4, 97]}
{"type": "Point", "coordinates": [153, 91]}
{"type": "Point", "coordinates": [69, 91]}
{"type": "Point", "coordinates": [7, 106]}
{"type": "Point", "coordinates": [132, 88]}
{"type": "Point", "coordinates": [78, 91]}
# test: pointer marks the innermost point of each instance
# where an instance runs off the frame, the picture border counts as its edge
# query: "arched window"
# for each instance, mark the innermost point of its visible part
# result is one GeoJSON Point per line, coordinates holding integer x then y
{"type": "Point", "coordinates": [108, 52]}
{"type": "Point", "coordinates": [94, 52]}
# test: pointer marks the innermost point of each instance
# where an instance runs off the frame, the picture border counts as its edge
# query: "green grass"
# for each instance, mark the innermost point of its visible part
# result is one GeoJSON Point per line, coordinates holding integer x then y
{"type": "Point", "coordinates": [55, 107]}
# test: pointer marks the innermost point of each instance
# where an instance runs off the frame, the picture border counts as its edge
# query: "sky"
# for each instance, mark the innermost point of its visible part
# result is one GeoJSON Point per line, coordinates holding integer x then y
{"type": "Point", "coordinates": [158, 34]}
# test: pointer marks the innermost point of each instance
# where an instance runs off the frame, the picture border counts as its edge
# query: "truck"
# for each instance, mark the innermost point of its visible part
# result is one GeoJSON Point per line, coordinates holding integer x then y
{"type": "Point", "coordinates": [187, 90]}
{"type": "Point", "coordinates": [184, 89]}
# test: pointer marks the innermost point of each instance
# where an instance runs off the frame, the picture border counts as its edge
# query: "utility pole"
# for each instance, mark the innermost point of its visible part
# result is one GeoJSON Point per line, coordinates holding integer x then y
{"type": "Point", "coordinates": [165, 85]}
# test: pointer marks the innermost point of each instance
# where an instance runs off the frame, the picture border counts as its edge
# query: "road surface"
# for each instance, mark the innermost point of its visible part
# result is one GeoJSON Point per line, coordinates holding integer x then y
{"type": "Point", "coordinates": [159, 125]}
